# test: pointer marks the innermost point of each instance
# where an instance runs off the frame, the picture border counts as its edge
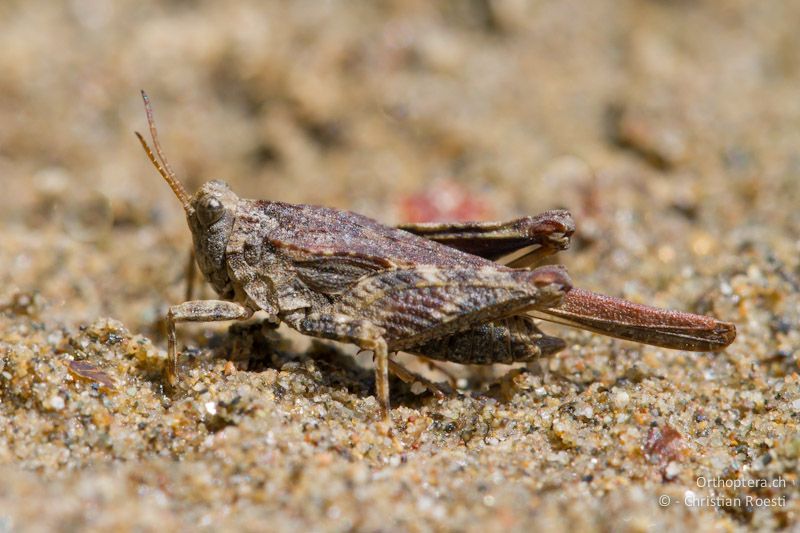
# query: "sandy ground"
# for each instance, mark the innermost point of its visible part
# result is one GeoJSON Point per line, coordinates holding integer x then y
{"type": "Point", "coordinates": [671, 130]}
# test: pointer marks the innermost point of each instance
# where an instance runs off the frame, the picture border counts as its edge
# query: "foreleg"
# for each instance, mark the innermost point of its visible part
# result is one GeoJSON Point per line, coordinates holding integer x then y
{"type": "Point", "coordinates": [191, 275]}
{"type": "Point", "coordinates": [197, 311]}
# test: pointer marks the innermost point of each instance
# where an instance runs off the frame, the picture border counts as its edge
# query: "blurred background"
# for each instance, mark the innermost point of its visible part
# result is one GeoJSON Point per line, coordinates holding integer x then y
{"type": "Point", "coordinates": [663, 126]}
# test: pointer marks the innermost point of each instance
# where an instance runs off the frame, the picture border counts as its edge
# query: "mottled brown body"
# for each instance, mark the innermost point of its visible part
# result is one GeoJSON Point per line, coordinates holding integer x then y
{"type": "Point", "coordinates": [435, 290]}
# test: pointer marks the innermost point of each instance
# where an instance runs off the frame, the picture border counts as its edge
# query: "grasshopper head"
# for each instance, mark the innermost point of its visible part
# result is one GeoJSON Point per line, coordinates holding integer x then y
{"type": "Point", "coordinates": [210, 213]}
{"type": "Point", "coordinates": [211, 216]}
{"type": "Point", "coordinates": [213, 205]}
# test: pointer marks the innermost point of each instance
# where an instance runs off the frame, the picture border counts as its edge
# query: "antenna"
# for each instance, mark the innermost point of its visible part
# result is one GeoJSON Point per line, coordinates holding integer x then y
{"type": "Point", "coordinates": [161, 163]}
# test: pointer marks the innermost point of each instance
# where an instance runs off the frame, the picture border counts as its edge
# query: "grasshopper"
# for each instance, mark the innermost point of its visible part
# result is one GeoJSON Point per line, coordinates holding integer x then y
{"type": "Point", "coordinates": [461, 292]}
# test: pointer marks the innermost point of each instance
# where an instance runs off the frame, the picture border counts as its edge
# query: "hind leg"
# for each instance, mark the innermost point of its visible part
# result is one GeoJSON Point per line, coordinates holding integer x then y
{"type": "Point", "coordinates": [410, 377]}
{"type": "Point", "coordinates": [521, 242]}
{"type": "Point", "coordinates": [511, 340]}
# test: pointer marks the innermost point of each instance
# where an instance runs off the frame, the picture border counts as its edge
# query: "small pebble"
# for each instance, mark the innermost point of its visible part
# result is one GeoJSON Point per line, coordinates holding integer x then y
{"type": "Point", "coordinates": [57, 402]}
{"type": "Point", "coordinates": [620, 399]}
{"type": "Point", "coordinates": [418, 388]}
{"type": "Point", "coordinates": [672, 470]}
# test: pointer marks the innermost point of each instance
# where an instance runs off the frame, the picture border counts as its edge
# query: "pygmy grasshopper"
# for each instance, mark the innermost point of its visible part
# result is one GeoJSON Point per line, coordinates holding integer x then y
{"type": "Point", "coordinates": [436, 290]}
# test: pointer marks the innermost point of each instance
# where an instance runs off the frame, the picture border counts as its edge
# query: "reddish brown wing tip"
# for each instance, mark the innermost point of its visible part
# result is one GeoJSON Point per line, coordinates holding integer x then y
{"type": "Point", "coordinates": [620, 318]}
{"type": "Point", "coordinates": [726, 333]}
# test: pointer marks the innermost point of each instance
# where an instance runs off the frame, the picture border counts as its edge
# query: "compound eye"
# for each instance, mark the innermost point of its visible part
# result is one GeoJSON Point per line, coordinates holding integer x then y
{"type": "Point", "coordinates": [210, 211]}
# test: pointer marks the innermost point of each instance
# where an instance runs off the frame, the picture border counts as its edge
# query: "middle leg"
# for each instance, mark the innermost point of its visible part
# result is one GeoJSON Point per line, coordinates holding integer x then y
{"type": "Point", "coordinates": [362, 333]}
{"type": "Point", "coordinates": [402, 309]}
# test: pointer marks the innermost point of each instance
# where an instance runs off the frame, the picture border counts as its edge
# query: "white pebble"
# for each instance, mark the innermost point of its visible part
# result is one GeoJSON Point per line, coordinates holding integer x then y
{"type": "Point", "coordinates": [561, 457]}
{"type": "Point", "coordinates": [621, 399]}
{"type": "Point", "coordinates": [417, 388]}
{"type": "Point", "coordinates": [672, 470]}
{"type": "Point", "coordinates": [57, 402]}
